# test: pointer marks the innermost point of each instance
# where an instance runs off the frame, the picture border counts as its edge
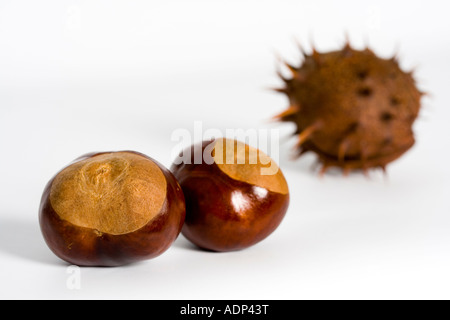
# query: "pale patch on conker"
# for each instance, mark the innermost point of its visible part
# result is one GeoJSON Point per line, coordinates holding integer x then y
{"type": "Point", "coordinates": [244, 163]}
{"type": "Point", "coordinates": [114, 193]}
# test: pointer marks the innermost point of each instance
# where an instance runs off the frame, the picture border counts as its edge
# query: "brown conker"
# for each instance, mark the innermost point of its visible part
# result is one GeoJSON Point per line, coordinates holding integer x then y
{"type": "Point", "coordinates": [111, 209]}
{"type": "Point", "coordinates": [231, 202]}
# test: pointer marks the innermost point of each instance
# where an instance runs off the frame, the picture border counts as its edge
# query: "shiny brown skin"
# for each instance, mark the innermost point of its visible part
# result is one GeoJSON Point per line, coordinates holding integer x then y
{"type": "Point", "coordinates": [86, 247]}
{"type": "Point", "coordinates": [212, 221]}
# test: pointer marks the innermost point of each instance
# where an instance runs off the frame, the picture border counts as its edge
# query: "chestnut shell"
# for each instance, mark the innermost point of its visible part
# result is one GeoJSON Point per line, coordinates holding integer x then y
{"type": "Point", "coordinates": [353, 109]}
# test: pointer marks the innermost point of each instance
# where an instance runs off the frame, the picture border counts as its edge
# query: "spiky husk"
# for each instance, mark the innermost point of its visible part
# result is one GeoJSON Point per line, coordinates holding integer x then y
{"type": "Point", "coordinates": [352, 108]}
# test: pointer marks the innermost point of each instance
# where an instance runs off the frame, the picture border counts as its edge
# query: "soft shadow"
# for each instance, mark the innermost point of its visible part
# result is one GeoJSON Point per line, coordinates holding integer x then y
{"type": "Point", "coordinates": [185, 244]}
{"type": "Point", "coordinates": [23, 239]}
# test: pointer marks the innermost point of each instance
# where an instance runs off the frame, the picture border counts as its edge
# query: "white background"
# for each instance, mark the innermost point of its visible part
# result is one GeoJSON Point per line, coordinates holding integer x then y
{"type": "Point", "coordinates": [81, 76]}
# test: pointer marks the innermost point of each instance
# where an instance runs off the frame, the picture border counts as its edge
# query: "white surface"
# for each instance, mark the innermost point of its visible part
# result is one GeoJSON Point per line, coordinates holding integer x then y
{"type": "Point", "coordinates": [81, 76]}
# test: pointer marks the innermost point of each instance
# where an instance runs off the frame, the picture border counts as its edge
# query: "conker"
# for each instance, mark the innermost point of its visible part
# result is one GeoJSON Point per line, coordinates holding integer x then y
{"type": "Point", "coordinates": [111, 209]}
{"type": "Point", "coordinates": [235, 197]}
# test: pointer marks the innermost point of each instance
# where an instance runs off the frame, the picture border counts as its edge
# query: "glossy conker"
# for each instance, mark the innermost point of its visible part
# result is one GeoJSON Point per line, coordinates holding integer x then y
{"type": "Point", "coordinates": [111, 209]}
{"type": "Point", "coordinates": [231, 202]}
